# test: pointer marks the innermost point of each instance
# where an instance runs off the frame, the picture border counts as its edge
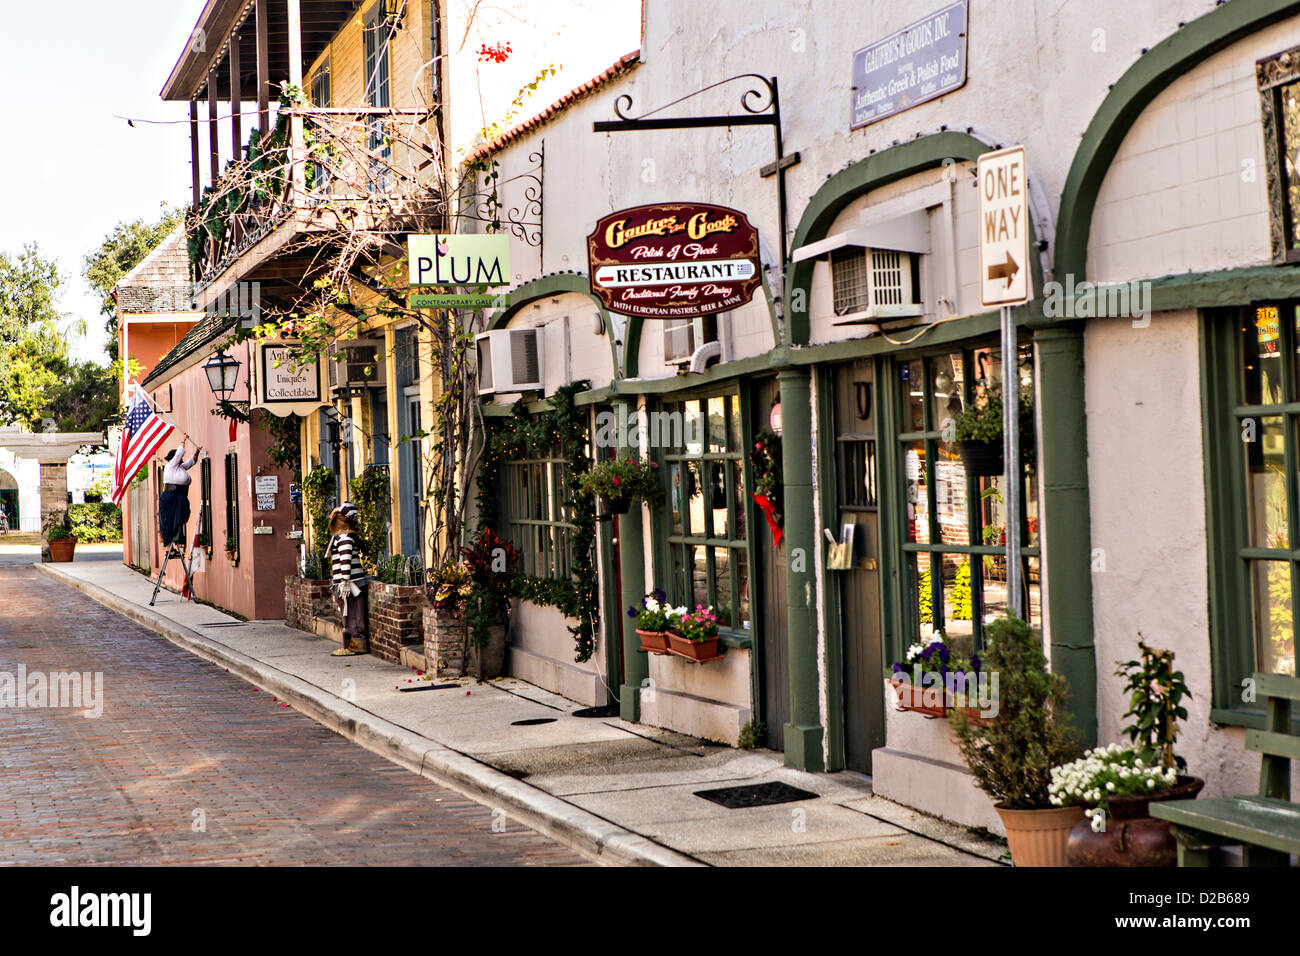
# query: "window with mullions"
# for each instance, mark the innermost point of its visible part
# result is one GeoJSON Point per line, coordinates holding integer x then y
{"type": "Point", "coordinates": [706, 509]}
{"type": "Point", "coordinates": [378, 33]}
{"type": "Point", "coordinates": [1254, 460]}
{"type": "Point", "coordinates": [954, 549]}
{"type": "Point", "coordinates": [535, 514]}
{"type": "Point", "coordinates": [1279, 89]}
{"type": "Point", "coordinates": [205, 500]}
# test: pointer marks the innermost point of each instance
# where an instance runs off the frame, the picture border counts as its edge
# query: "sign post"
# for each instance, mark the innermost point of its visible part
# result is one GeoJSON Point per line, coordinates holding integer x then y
{"type": "Point", "coordinates": [1004, 283]}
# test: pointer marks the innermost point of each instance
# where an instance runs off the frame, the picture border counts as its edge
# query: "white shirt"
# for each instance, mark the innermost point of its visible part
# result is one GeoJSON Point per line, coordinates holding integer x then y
{"type": "Point", "coordinates": [177, 471]}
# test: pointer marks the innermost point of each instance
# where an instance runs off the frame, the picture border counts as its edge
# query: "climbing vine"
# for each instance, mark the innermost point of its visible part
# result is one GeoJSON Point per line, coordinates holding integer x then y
{"type": "Point", "coordinates": [564, 427]}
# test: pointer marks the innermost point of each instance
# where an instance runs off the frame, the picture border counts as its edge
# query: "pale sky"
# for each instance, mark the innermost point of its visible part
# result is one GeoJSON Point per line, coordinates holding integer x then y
{"type": "Point", "coordinates": [72, 170]}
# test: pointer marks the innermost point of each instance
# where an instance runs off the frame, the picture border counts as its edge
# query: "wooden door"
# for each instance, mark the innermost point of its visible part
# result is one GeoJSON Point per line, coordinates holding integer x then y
{"type": "Point", "coordinates": [857, 504]}
{"type": "Point", "coordinates": [773, 649]}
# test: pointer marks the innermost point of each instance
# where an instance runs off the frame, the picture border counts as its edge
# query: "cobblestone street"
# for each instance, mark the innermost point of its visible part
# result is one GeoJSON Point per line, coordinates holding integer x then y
{"type": "Point", "coordinates": [188, 764]}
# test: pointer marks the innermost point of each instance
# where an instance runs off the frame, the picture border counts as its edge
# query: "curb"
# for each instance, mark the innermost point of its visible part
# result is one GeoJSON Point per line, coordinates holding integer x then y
{"type": "Point", "coordinates": [597, 839]}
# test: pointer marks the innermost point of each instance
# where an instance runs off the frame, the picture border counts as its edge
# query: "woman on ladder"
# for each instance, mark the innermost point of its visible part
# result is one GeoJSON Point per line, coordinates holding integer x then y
{"type": "Point", "coordinates": [174, 503]}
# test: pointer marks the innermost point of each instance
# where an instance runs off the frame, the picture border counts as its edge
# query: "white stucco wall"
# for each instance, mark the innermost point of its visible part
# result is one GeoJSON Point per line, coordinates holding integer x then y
{"type": "Point", "coordinates": [27, 473]}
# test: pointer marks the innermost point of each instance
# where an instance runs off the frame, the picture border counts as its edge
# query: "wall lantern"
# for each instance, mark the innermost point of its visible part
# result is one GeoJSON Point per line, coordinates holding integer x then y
{"type": "Point", "coordinates": [222, 371]}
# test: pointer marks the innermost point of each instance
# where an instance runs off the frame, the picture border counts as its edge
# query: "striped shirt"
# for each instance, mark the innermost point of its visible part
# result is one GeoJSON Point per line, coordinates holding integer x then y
{"type": "Point", "coordinates": [345, 553]}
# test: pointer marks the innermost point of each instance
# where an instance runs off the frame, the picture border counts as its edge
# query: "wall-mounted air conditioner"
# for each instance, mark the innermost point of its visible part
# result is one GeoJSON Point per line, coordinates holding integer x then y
{"type": "Point", "coordinates": [875, 285]}
{"type": "Point", "coordinates": [356, 365]}
{"type": "Point", "coordinates": [509, 360]}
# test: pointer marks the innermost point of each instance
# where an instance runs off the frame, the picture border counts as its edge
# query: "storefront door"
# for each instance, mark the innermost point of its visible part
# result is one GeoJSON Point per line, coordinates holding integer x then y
{"type": "Point", "coordinates": [859, 586]}
{"type": "Point", "coordinates": [774, 650]}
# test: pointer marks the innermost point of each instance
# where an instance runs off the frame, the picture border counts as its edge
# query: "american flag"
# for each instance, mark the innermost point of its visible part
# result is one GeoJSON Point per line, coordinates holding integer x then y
{"type": "Point", "coordinates": [142, 433]}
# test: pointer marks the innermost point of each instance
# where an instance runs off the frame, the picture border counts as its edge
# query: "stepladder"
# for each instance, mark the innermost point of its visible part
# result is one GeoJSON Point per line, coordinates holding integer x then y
{"type": "Point", "coordinates": [177, 551]}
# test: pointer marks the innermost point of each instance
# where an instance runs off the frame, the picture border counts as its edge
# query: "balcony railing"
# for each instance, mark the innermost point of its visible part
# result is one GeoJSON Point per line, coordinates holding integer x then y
{"type": "Point", "coordinates": [355, 169]}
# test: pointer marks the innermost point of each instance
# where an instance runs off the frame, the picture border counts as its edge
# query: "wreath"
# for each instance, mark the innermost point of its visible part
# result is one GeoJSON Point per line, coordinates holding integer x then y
{"type": "Point", "coordinates": [765, 463]}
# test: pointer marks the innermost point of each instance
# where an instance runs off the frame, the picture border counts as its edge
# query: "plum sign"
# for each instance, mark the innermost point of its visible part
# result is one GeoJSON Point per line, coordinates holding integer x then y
{"type": "Point", "coordinates": [673, 260]}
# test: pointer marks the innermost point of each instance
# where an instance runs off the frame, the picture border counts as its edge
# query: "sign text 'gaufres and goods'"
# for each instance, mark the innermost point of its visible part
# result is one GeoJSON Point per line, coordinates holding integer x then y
{"type": "Point", "coordinates": [673, 260]}
{"type": "Point", "coordinates": [918, 63]}
{"type": "Point", "coordinates": [466, 262]}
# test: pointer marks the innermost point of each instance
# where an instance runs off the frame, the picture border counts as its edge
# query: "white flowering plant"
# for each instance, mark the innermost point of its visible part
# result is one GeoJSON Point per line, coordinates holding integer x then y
{"type": "Point", "coordinates": [655, 613]}
{"type": "Point", "coordinates": [1103, 773]}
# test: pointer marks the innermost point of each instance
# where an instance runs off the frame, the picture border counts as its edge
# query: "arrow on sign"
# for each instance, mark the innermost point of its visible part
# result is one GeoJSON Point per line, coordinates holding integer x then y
{"type": "Point", "coordinates": [1006, 270]}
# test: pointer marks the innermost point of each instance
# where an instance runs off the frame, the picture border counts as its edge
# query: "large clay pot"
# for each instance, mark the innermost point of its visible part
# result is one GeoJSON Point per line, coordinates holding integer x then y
{"type": "Point", "coordinates": [1132, 836]}
{"type": "Point", "coordinates": [62, 549]}
{"type": "Point", "coordinates": [1038, 837]}
{"type": "Point", "coordinates": [490, 660]}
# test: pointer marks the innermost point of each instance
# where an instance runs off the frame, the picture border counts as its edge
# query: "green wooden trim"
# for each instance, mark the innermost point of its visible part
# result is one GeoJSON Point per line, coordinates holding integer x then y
{"type": "Point", "coordinates": [1151, 74]}
{"type": "Point", "coordinates": [754, 522]}
{"type": "Point", "coordinates": [1271, 742]}
{"type": "Point", "coordinates": [1232, 657]}
{"type": "Point", "coordinates": [632, 347]}
{"type": "Point", "coordinates": [1277, 685]}
{"type": "Point", "coordinates": [631, 545]}
{"type": "Point", "coordinates": [559, 283]}
{"type": "Point", "coordinates": [894, 606]}
{"type": "Point", "coordinates": [827, 488]}
{"type": "Point", "coordinates": [878, 169]}
{"type": "Point", "coordinates": [738, 641]}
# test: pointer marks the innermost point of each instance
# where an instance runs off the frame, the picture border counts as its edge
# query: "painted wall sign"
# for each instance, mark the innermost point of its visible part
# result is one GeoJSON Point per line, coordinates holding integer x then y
{"type": "Point", "coordinates": [920, 62]}
{"type": "Point", "coordinates": [280, 386]}
{"type": "Point", "coordinates": [450, 261]}
{"type": "Point", "coordinates": [673, 260]}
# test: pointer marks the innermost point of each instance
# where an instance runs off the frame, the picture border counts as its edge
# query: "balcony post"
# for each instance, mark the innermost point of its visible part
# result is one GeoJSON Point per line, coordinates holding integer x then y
{"type": "Point", "coordinates": [214, 142]}
{"type": "Point", "coordinates": [194, 149]}
{"type": "Point", "coordinates": [263, 70]}
{"type": "Point", "coordinates": [296, 146]}
{"type": "Point", "coordinates": [236, 101]}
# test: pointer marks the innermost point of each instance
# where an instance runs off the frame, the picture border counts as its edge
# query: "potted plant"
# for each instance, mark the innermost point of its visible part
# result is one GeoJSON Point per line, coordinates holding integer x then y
{"type": "Point", "coordinates": [1118, 784]}
{"type": "Point", "coordinates": [694, 635]}
{"type": "Point", "coordinates": [491, 563]}
{"type": "Point", "coordinates": [1011, 753]}
{"type": "Point", "coordinates": [232, 548]}
{"type": "Point", "coordinates": [204, 541]}
{"type": "Point", "coordinates": [62, 542]}
{"type": "Point", "coordinates": [978, 431]}
{"type": "Point", "coordinates": [620, 481]}
{"type": "Point", "coordinates": [449, 588]}
{"type": "Point", "coordinates": [654, 619]}
{"type": "Point", "coordinates": [934, 696]}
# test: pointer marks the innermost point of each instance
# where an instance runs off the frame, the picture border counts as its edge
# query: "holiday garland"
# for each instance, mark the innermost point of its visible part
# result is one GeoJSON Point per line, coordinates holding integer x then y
{"type": "Point", "coordinates": [765, 463]}
{"type": "Point", "coordinates": [564, 427]}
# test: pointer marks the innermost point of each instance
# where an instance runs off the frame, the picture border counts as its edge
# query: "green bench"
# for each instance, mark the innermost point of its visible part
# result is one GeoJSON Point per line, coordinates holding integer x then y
{"type": "Point", "coordinates": [1267, 827]}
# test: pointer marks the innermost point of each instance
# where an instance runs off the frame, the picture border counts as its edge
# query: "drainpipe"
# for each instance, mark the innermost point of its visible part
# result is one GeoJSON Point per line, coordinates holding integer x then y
{"type": "Point", "coordinates": [631, 556]}
{"type": "Point", "coordinates": [803, 734]}
{"type": "Point", "coordinates": [1066, 523]}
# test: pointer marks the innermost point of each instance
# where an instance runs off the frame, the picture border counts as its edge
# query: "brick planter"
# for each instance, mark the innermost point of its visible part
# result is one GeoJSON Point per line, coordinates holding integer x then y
{"type": "Point", "coordinates": [396, 619]}
{"type": "Point", "coordinates": [306, 601]}
{"type": "Point", "coordinates": [444, 642]}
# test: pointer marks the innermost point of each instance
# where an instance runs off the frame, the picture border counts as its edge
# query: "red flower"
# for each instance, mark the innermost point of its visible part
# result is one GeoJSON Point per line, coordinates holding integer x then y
{"type": "Point", "coordinates": [617, 481]}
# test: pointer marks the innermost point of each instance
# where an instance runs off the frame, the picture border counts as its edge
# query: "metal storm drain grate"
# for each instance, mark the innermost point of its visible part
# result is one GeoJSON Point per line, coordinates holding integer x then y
{"type": "Point", "coordinates": [609, 710]}
{"type": "Point", "coordinates": [532, 721]}
{"type": "Point", "coordinates": [755, 795]}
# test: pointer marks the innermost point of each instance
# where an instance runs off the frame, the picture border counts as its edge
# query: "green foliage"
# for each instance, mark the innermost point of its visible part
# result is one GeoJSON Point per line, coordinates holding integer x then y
{"type": "Point", "coordinates": [752, 734]}
{"type": "Point", "coordinates": [925, 598]}
{"type": "Point", "coordinates": [318, 498]}
{"type": "Point", "coordinates": [981, 420]}
{"type": "Point", "coordinates": [1012, 753]}
{"type": "Point", "coordinates": [564, 427]}
{"type": "Point", "coordinates": [765, 460]}
{"type": "Point", "coordinates": [121, 251]}
{"type": "Point", "coordinates": [624, 478]}
{"type": "Point", "coordinates": [285, 450]}
{"type": "Point", "coordinates": [400, 569]}
{"type": "Point", "coordinates": [1156, 693]}
{"type": "Point", "coordinates": [33, 349]}
{"type": "Point", "coordinates": [492, 563]}
{"type": "Point", "coordinates": [314, 567]}
{"type": "Point", "coordinates": [231, 544]}
{"type": "Point", "coordinates": [370, 495]}
{"type": "Point", "coordinates": [91, 523]}
{"type": "Point", "coordinates": [84, 398]}
{"type": "Point", "coordinates": [961, 603]}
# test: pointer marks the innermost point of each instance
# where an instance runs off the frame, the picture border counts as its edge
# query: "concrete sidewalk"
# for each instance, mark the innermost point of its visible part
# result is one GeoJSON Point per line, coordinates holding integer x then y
{"type": "Point", "coordinates": [620, 793]}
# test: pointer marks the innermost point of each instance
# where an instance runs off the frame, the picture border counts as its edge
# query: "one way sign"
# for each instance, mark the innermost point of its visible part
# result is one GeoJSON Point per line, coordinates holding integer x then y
{"type": "Point", "coordinates": [1004, 228]}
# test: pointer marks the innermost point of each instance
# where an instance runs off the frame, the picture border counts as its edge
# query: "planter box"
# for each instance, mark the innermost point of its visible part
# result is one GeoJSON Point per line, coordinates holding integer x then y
{"type": "Point", "coordinates": [444, 642]}
{"type": "Point", "coordinates": [653, 642]}
{"type": "Point", "coordinates": [697, 651]}
{"type": "Point", "coordinates": [306, 601]}
{"type": "Point", "coordinates": [913, 698]}
{"type": "Point", "coordinates": [396, 618]}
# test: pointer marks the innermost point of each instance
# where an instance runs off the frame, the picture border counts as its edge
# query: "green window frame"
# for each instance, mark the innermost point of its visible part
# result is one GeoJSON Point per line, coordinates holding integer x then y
{"type": "Point", "coordinates": [706, 513]}
{"type": "Point", "coordinates": [1251, 416]}
{"type": "Point", "coordinates": [946, 518]}
{"type": "Point", "coordinates": [232, 500]}
{"type": "Point", "coordinates": [205, 501]}
{"type": "Point", "coordinates": [533, 489]}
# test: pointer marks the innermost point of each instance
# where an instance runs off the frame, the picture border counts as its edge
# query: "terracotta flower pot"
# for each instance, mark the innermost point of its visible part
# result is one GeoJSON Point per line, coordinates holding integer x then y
{"type": "Point", "coordinates": [62, 549]}
{"type": "Point", "coordinates": [653, 642]}
{"type": "Point", "coordinates": [693, 650]}
{"type": "Point", "coordinates": [1038, 837]}
{"type": "Point", "coordinates": [1132, 836]}
{"type": "Point", "coordinates": [913, 698]}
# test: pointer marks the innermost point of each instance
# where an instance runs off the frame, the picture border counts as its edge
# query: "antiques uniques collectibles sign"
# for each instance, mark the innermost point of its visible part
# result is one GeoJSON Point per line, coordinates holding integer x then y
{"type": "Point", "coordinates": [673, 260]}
{"type": "Point", "coordinates": [918, 63]}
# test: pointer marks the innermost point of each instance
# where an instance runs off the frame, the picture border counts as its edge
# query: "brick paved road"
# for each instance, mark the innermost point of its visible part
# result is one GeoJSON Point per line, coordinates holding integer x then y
{"type": "Point", "coordinates": [178, 735]}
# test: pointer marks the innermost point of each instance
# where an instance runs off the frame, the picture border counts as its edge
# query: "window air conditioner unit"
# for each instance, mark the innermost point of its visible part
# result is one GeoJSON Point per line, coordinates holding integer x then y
{"type": "Point", "coordinates": [360, 368]}
{"type": "Point", "coordinates": [509, 360]}
{"type": "Point", "coordinates": [684, 338]}
{"type": "Point", "coordinates": [875, 285]}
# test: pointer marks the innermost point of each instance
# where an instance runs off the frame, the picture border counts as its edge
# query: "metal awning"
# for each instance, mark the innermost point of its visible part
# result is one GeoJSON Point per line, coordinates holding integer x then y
{"type": "Point", "coordinates": [906, 233]}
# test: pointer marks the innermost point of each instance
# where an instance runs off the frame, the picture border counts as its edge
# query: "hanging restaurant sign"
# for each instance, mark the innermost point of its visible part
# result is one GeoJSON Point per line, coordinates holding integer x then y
{"type": "Point", "coordinates": [673, 260]}
{"type": "Point", "coordinates": [283, 386]}
{"type": "Point", "coordinates": [918, 63]}
{"type": "Point", "coordinates": [450, 262]}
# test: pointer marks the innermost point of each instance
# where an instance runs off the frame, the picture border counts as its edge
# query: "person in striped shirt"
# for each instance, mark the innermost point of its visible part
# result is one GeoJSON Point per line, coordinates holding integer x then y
{"type": "Point", "coordinates": [348, 580]}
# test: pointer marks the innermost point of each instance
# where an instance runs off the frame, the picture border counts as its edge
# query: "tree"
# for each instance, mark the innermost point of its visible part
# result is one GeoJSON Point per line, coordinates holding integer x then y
{"type": "Point", "coordinates": [121, 251]}
{"type": "Point", "coordinates": [33, 349]}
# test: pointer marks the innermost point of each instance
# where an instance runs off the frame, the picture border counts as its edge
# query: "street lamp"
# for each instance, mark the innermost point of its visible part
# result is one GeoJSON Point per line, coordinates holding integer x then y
{"type": "Point", "coordinates": [222, 371]}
